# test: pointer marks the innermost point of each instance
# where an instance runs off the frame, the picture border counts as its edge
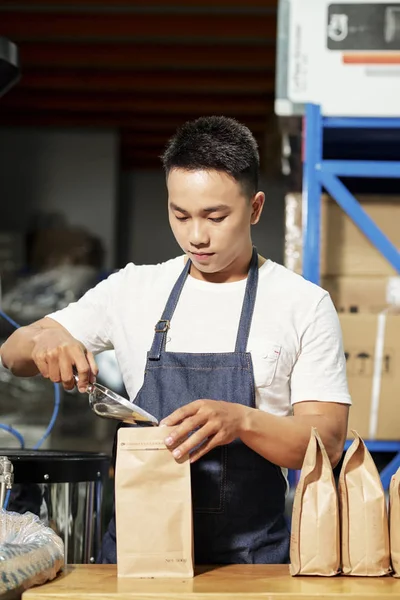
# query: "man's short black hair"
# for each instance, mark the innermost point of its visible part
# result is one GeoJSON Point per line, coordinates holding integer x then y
{"type": "Point", "coordinates": [215, 143]}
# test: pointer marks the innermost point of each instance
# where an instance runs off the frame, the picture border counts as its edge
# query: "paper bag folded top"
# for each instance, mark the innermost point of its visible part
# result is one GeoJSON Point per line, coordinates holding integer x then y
{"type": "Point", "coordinates": [314, 542]}
{"type": "Point", "coordinates": [364, 522]}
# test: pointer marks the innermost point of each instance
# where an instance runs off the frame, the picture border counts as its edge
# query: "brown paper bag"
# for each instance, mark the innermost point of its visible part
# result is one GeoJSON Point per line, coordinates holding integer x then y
{"type": "Point", "coordinates": [363, 514]}
{"type": "Point", "coordinates": [394, 521]}
{"type": "Point", "coordinates": [315, 542]}
{"type": "Point", "coordinates": [153, 506]}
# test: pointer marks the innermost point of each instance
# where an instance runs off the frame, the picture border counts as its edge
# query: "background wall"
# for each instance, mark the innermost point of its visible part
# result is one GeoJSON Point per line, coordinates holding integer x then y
{"type": "Point", "coordinates": [73, 172]}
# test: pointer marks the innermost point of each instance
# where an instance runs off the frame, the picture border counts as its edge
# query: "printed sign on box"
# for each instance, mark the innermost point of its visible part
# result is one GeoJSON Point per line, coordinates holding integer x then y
{"type": "Point", "coordinates": [344, 56]}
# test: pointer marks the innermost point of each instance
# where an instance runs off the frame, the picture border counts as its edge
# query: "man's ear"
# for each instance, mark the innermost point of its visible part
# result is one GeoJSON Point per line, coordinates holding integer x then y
{"type": "Point", "coordinates": [257, 204]}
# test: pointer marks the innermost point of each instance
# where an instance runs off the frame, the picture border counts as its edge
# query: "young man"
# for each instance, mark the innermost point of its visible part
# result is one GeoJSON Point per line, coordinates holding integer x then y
{"type": "Point", "coordinates": [219, 343]}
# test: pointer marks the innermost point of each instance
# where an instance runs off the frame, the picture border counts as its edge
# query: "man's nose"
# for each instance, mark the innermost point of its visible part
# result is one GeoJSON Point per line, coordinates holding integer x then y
{"type": "Point", "coordinates": [198, 233]}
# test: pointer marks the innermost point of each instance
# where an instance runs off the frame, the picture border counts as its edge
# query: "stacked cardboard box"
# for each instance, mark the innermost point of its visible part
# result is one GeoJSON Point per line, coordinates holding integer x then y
{"type": "Point", "coordinates": [352, 269]}
{"type": "Point", "coordinates": [361, 282]}
{"type": "Point", "coordinates": [372, 348]}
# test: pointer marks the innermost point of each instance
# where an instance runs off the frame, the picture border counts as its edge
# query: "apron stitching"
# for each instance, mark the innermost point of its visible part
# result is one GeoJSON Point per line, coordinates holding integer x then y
{"type": "Point", "coordinates": [225, 454]}
{"type": "Point", "coordinates": [253, 390]}
{"type": "Point", "coordinates": [197, 368]}
{"type": "Point", "coordinates": [243, 354]}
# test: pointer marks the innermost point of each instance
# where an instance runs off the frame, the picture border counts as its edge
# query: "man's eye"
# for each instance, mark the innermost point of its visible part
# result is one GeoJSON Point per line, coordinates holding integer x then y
{"type": "Point", "coordinates": [181, 218]}
{"type": "Point", "coordinates": [217, 219]}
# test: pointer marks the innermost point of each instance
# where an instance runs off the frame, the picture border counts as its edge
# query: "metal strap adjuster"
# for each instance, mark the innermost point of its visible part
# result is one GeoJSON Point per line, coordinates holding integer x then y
{"type": "Point", "coordinates": [163, 328]}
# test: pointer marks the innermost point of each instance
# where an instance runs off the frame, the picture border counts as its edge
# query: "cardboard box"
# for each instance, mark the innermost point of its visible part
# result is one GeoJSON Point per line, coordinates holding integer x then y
{"type": "Point", "coordinates": [55, 246]}
{"type": "Point", "coordinates": [345, 251]}
{"type": "Point", "coordinates": [357, 294]}
{"type": "Point", "coordinates": [372, 348]}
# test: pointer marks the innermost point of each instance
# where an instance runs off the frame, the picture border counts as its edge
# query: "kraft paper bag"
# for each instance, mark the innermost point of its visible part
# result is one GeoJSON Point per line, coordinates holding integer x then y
{"type": "Point", "coordinates": [315, 541]}
{"type": "Point", "coordinates": [153, 506]}
{"type": "Point", "coordinates": [394, 522]}
{"type": "Point", "coordinates": [364, 521]}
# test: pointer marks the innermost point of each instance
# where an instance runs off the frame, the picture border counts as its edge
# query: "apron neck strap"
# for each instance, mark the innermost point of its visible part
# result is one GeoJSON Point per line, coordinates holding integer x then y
{"type": "Point", "coordinates": [162, 326]}
{"type": "Point", "coordinates": [248, 304]}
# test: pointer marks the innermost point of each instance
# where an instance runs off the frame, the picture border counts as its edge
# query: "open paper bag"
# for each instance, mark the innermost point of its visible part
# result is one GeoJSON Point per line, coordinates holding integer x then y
{"type": "Point", "coordinates": [153, 506]}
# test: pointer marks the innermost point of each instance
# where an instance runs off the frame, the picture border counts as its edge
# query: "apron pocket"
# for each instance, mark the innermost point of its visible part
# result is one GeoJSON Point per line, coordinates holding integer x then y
{"type": "Point", "coordinates": [209, 481]}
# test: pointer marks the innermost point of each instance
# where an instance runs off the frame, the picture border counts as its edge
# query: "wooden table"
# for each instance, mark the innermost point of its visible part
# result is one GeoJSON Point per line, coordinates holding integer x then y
{"type": "Point", "coordinates": [244, 582]}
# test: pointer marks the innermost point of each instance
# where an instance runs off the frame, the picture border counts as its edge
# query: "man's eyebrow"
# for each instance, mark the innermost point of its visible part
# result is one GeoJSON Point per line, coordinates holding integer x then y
{"type": "Point", "coordinates": [176, 207]}
{"type": "Point", "coordinates": [216, 208]}
{"type": "Point", "coordinates": [210, 209]}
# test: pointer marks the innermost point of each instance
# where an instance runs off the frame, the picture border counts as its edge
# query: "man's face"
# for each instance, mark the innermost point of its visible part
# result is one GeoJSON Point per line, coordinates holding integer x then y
{"type": "Point", "coordinates": [210, 218]}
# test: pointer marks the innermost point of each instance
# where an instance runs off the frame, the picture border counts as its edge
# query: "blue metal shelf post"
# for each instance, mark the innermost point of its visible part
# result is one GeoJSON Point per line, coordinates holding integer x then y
{"type": "Point", "coordinates": [318, 174]}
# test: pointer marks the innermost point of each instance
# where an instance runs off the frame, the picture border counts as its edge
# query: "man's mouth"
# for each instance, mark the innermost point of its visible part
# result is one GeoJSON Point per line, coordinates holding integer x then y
{"type": "Point", "coordinates": [202, 254]}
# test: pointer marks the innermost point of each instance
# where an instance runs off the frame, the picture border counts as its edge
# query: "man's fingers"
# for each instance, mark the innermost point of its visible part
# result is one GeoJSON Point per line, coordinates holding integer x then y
{"type": "Point", "coordinates": [58, 365]}
{"type": "Point", "coordinates": [93, 366]}
{"type": "Point", "coordinates": [203, 449]}
{"type": "Point", "coordinates": [196, 439]}
{"type": "Point", "coordinates": [53, 363]}
{"type": "Point", "coordinates": [40, 362]}
{"type": "Point", "coordinates": [56, 353]}
{"type": "Point", "coordinates": [180, 432]}
{"type": "Point", "coordinates": [66, 372]}
{"type": "Point", "coordinates": [83, 368]}
{"type": "Point", "coordinates": [181, 413]}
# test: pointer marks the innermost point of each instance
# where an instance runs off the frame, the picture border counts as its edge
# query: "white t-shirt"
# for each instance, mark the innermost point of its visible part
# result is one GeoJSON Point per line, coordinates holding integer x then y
{"type": "Point", "coordinates": [295, 338]}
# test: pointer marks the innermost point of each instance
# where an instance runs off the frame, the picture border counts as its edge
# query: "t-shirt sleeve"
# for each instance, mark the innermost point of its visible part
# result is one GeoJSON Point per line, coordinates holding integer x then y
{"type": "Point", "coordinates": [319, 372]}
{"type": "Point", "coordinates": [89, 319]}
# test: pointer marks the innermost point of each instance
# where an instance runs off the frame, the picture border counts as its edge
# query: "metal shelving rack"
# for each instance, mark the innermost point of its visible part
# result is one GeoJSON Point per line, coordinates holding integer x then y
{"type": "Point", "coordinates": [319, 173]}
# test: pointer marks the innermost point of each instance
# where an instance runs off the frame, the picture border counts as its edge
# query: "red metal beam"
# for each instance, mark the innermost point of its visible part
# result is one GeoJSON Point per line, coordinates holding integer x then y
{"type": "Point", "coordinates": [147, 56]}
{"type": "Point", "coordinates": [193, 4]}
{"type": "Point", "coordinates": [86, 80]}
{"type": "Point", "coordinates": [136, 103]}
{"type": "Point", "coordinates": [85, 26]}
{"type": "Point", "coordinates": [129, 122]}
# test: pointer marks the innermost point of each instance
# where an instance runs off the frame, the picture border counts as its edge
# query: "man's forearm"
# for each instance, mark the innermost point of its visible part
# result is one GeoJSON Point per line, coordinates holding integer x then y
{"type": "Point", "coordinates": [16, 352]}
{"type": "Point", "coordinates": [284, 440]}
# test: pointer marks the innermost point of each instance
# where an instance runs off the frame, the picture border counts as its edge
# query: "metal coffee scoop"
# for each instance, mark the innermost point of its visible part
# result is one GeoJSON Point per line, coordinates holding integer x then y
{"type": "Point", "coordinates": [109, 405]}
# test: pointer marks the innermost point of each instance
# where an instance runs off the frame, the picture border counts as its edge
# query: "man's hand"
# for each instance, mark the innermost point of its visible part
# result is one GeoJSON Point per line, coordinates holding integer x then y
{"type": "Point", "coordinates": [46, 347]}
{"type": "Point", "coordinates": [213, 423]}
{"type": "Point", "coordinates": [57, 353]}
{"type": "Point", "coordinates": [281, 440]}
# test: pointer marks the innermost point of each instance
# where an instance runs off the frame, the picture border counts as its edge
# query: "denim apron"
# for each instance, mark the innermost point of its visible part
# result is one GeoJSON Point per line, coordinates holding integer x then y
{"type": "Point", "coordinates": [238, 496]}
